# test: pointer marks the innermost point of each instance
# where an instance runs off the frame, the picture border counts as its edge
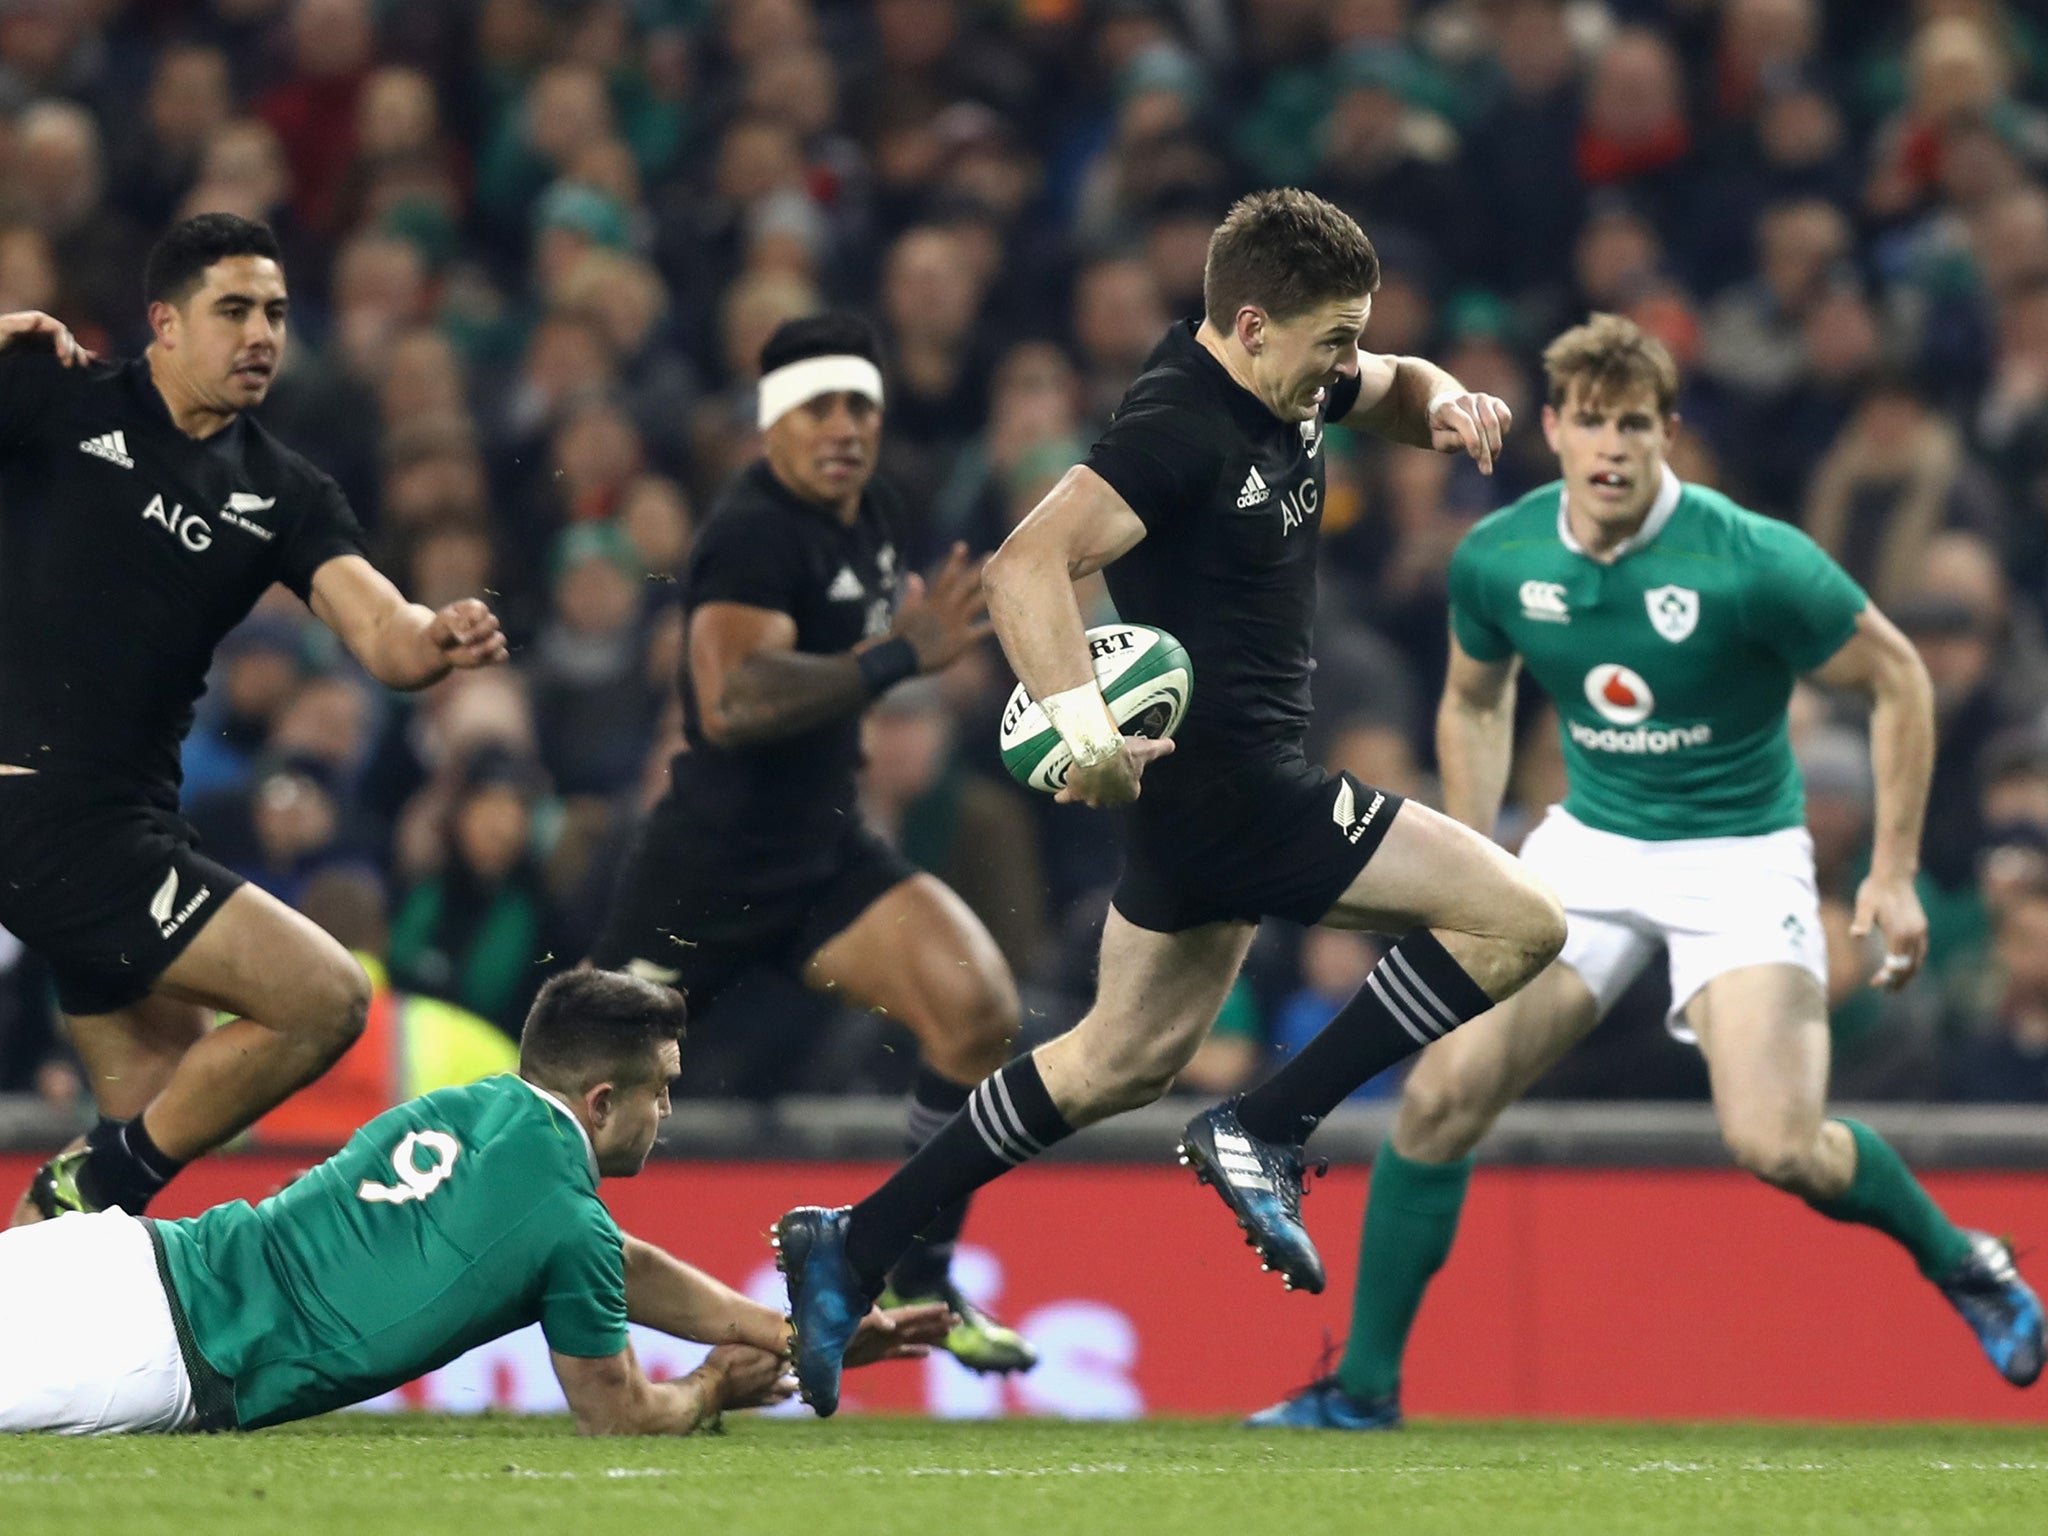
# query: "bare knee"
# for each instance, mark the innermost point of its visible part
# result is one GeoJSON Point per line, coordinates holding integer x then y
{"type": "Point", "coordinates": [1777, 1155]}
{"type": "Point", "coordinates": [969, 1028]}
{"type": "Point", "coordinates": [1447, 1107]}
{"type": "Point", "coordinates": [1111, 1072]}
{"type": "Point", "coordinates": [1539, 925]}
{"type": "Point", "coordinates": [335, 1008]}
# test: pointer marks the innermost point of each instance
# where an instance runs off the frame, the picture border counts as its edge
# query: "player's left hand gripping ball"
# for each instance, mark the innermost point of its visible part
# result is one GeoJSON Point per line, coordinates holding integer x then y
{"type": "Point", "coordinates": [467, 635]}
{"type": "Point", "coordinates": [1471, 423]}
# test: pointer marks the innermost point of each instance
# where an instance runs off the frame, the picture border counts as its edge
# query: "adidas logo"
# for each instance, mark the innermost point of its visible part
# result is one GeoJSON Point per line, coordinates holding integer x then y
{"type": "Point", "coordinates": [111, 446]}
{"type": "Point", "coordinates": [1254, 490]}
{"type": "Point", "coordinates": [846, 587]}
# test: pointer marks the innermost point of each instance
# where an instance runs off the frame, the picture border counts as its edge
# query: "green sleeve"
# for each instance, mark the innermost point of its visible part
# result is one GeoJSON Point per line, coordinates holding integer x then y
{"type": "Point", "coordinates": [583, 1308]}
{"type": "Point", "coordinates": [1796, 600]}
{"type": "Point", "coordinates": [1478, 636]}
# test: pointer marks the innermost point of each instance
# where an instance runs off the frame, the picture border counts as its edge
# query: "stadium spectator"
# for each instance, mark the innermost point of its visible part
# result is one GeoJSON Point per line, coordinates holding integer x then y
{"type": "Point", "coordinates": [480, 930]}
{"type": "Point", "coordinates": [2006, 1060]}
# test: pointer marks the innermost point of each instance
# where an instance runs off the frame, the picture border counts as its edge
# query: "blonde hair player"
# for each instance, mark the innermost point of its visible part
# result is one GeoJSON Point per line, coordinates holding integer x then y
{"type": "Point", "coordinates": [1668, 624]}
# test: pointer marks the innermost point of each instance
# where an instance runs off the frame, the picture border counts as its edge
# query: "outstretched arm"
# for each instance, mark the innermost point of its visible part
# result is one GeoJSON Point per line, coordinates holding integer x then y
{"type": "Point", "coordinates": [611, 1395]}
{"type": "Point", "coordinates": [1880, 663]}
{"type": "Point", "coordinates": [1409, 400]}
{"type": "Point", "coordinates": [403, 645]}
{"type": "Point", "coordinates": [753, 685]}
{"type": "Point", "coordinates": [1081, 526]}
{"type": "Point", "coordinates": [1475, 740]}
{"type": "Point", "coordinates": [663, 1292]}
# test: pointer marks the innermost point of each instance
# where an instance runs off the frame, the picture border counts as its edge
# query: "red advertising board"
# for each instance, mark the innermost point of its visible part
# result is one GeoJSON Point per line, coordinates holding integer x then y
{"type": "Point", "coordinates": [1678, 1294]}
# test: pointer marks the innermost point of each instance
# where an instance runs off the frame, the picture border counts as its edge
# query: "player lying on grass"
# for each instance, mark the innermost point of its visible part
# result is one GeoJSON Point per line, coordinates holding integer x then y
{"type": "Point", "coordinates": [1202, 505]}
{"type": "Point", "coordinates": [1667, 624]}
{"type": "Point", "coordinates": [443, 1223]}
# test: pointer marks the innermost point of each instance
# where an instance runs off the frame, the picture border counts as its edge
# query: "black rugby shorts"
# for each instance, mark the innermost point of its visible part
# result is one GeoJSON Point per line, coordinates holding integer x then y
{"type": "Point", "coordinates": [1272, 838]}
{"type": "Point", "coordinates": [106, 886]}
{"type": "Point", "coordinates": [687, 914]}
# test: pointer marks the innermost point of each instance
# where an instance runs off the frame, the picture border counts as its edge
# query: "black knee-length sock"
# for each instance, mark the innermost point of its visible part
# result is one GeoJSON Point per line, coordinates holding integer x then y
{"type": "Point", "coordinates": [1416, 994]}
{"type": "Point", "coordinates": [1009, 1119]}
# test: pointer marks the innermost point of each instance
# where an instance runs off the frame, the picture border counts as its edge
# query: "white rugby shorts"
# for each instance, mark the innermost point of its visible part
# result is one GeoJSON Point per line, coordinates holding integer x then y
{"type": "Point", "coordinates": [1716, 904]}
{"type": "Point", "coordinates": [90, 1347]}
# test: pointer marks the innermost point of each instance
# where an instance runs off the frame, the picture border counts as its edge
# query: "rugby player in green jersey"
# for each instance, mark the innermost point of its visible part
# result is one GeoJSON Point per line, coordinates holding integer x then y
{"type": "Point", "coordinates": [443, 1223]}
{"type": "Point", "coordinates": [1668, 625]}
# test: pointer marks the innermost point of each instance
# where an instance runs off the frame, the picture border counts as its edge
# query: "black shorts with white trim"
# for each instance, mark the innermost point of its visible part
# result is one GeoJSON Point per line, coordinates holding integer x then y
{"type": "Point", "coordinates": [1276, 837]}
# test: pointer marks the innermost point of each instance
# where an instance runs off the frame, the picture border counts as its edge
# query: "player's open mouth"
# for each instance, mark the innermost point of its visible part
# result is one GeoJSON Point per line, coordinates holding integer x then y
{"type": "Point", "coordinates": [1610, 480]}
{"type": "Point", "coordinates": [255, 373]}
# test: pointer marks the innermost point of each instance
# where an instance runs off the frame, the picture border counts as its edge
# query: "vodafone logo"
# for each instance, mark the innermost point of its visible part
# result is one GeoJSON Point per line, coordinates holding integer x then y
{"type": "Point", "coordinates": [1619, 694]}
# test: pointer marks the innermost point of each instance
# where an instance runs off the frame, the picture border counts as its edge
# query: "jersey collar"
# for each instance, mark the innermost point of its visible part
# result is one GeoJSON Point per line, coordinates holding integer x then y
{"type": "Point", "coordinates": [589, 1151]}
{"type": "Point", "coordinates": [1660, 514]}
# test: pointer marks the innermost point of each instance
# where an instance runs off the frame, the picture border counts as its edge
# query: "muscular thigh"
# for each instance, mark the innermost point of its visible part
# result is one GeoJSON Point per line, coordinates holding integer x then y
{"type": "Point", "coordinates": [1431, 872]}
{"type": "Point", "coordinates": [258, 958]}
{"type": "Point", "coordinates": [1764, 1032]}
{"type": "Point", "coordinates": [917, 953]}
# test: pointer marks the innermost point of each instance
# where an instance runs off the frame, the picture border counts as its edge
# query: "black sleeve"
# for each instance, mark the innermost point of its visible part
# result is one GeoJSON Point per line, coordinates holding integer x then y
{"type": "Point", "coordinates": [1342, 399]}
{"type": "Point", "coordinates": [741, 558]}
{"type": "Point", "coordinates": [1161, 455]}
{"type": "Point", "coordinates": [29, 388]}
{"type": "Point", "coordinates": [322, 529]}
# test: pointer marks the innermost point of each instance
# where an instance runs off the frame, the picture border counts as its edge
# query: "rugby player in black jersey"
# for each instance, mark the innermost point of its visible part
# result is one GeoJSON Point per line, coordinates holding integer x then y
{"type": "Point", "coordinates": [142, 514]}
{"type": "Point", "coordinates": [1202, 504]}
{"type": "Point", "coordinates": [799, 616]}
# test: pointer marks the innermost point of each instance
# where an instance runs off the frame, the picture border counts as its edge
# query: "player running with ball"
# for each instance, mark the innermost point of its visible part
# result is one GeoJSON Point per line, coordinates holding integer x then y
{"type": "Point", "coordinates": [1668, 625]}
{"type": "Point", "coordinates": [1202, 503]}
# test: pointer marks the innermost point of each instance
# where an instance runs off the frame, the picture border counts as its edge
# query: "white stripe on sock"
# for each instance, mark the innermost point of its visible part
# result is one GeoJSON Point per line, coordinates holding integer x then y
{"type": "Point", "coordinates": [1398, 988]}
{"type": "Point", "coordinates": [1387, 1001]}
{"type": "Point", "coordinates": [990, 1134]}
{"type": "Point", "coordinates": [1422, 988]}
{"type": "Point", "coordinates": [1015, 1121]}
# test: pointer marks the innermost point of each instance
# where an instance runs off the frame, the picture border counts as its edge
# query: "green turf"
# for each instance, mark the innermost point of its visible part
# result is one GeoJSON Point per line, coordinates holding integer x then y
{"type": "Point", "coordinates": [504, 1477]}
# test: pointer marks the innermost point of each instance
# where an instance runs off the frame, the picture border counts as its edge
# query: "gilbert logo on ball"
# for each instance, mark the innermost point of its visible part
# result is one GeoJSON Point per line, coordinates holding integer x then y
{"type": "Point", "coordinates": [1145, 676]}
{"type": "Point", "coordinates": [1619, 694]}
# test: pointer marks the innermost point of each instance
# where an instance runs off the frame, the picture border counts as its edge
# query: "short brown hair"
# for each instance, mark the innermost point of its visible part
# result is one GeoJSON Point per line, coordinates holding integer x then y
{"type": "Point", "coordinates": [1610, 355]}
{"type": "Point", "coordinates": [1286, 251]}
{"type": "Point", "coordinates": [589, 1026]}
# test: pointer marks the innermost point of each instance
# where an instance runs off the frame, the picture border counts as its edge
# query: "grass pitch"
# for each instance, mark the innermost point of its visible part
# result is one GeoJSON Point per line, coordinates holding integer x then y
{"type": "Point", "coordinates": [412, 1476]}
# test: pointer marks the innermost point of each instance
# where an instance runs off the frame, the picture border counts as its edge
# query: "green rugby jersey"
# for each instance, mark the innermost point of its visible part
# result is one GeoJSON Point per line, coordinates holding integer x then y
{"type": "Point", "coordinates": [1671, 666]}
{"type": "Point", "coordinates": [445, 1222]}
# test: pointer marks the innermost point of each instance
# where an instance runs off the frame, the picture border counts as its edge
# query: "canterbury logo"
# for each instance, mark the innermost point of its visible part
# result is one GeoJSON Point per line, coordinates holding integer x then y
{"type": "Point", "coordinates": [111, 446]}
{"type": "Point", "coordinates": [1254, 491]}
{"type": "Point", "coordinates": [846, 587]}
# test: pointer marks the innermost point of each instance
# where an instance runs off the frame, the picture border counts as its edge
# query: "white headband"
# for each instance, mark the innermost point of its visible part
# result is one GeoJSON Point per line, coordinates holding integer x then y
{"type": "Point", "coordinates": [784, 389]}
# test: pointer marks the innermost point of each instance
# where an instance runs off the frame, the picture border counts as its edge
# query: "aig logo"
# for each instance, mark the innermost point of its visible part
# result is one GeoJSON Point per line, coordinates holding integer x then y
{"type": "Point", "coordinates": [189, 530]}
{"type": "Point", "coordinates": [1299, 505]}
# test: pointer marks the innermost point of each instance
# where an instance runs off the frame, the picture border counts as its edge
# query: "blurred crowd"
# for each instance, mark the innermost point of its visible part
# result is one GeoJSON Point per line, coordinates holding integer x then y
{"type": "Point", "coordinates": [534, 247]}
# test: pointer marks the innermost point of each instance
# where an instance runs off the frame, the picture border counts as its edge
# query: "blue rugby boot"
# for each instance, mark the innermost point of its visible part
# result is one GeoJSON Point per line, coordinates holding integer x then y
{"type": "Point", "coordinates": [826, 1299]}
{"type": "Point", "coordinates": [2000, 1307]}
{"type": "Point", "coordinates": [1262, 1183]}
{"type": "Point", "coordinates": [1326, 1405]}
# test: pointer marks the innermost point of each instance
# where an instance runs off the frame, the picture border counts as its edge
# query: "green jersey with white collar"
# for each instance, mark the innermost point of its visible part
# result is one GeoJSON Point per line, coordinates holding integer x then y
{"type": "Point", "coordinates": [452, 1219]}
{"type": "Point", "coordinates": [1670, 666]}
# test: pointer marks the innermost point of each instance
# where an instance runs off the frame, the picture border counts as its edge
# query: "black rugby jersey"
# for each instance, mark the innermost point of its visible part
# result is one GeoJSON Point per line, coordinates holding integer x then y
{"type": "Point", "coordinates": [767, 547]}
{"type": "Point", "coordinates": [1231, 497]}
{"type": "Point", "coordinates": [127, 550]}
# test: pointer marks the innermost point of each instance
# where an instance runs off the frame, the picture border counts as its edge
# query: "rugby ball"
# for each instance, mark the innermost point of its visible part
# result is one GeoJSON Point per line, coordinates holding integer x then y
{"type": "Point", "coordinates": [1144, 674]}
